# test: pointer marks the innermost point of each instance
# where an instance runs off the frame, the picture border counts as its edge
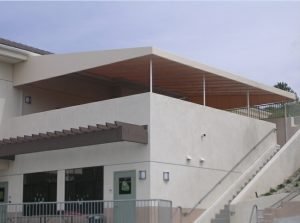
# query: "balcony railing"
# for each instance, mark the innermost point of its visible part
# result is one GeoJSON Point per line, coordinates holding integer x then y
{"type": "Point", "coordinates": [269, 111]}
{"type": "Point", "coordinates": [118, 211]}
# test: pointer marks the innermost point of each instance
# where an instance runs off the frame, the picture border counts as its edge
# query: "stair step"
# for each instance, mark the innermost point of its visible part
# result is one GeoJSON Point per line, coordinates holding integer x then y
{"type": "Point", "coordinates": [224, 212]}
{"type": "Point", "coordinates": [220, 220]}
{"type": "Point", "coordinates": [222, 216]}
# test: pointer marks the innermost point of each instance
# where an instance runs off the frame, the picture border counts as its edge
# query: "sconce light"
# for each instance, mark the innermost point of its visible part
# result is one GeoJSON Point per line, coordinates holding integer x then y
{"type": "Point", "coordinates": [27, 99]}
{"type": "Point", "coordinates": [203, 135]}
{"type": "Point", "coordinates": [142, 174]}
{"type": "Point", "coordinates": [202, 160]}
{"type": "Point", "coordinates": [166, 176]}
{"type": "Point", "coordinates": [188, 158]}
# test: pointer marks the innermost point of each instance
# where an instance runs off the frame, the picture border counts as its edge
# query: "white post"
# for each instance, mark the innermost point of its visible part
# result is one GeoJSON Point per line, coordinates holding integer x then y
{"type": "Point", "coordinates": [285, 123]}
{"type": "Point", "coordinates": [248, 103]}
{"type": "Point", "coordinates": [204, 91]}
{"type": "Point", "coordinates": [151, 75]}
{"type": "Point", "coordinates": [60, 189]}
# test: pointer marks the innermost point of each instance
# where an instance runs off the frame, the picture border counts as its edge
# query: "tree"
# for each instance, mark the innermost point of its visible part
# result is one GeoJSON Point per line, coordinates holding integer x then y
{"type": "Point", "coordinates": [284, 86]}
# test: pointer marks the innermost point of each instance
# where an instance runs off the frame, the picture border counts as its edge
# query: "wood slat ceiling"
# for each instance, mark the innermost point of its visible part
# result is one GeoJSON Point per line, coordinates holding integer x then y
{"type": "Point", "coordinates": [185, 82]}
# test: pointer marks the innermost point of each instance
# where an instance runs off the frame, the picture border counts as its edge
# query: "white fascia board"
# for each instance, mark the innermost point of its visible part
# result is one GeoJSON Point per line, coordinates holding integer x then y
{"type": "Point", "coordinates": [12, 55]}
{"type": "Point", "coordinates": [54, 65]}
{"type": "Point", "coordinates": [222, 73]}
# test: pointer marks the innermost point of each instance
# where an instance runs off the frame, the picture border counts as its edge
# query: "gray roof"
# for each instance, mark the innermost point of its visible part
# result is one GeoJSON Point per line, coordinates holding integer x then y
{"type": "Point", "coordinates": [23, 46]}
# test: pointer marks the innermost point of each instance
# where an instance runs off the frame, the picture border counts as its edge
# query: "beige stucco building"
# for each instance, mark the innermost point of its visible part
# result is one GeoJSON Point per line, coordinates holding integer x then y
{"type": "Point", "coordinates": [170, 134]}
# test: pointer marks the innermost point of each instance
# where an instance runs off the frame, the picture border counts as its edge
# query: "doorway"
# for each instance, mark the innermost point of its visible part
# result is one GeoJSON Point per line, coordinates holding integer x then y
{"type": "Point", "coordinates": [3, 201]}
{"type": "Point", "coordinates": [124, 189]}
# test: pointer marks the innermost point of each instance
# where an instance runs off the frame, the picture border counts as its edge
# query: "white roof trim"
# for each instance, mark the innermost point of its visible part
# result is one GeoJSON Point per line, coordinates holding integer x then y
{"type": "Point", "coordinates": [12, 55]}
{"type": "Point", "coordinates": [222, 73]}
{"type": "Point", "coordinates": [53, 65]}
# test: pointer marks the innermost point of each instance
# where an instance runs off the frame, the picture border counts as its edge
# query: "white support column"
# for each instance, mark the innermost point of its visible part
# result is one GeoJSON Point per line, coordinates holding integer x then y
{"type": "Point", "coordinates": [60, 195]}
{"type": "Point", "coordinates": [151, 76]}
{"type": "Point", "coordinates": [15, 189]}
{"type": "Point", "coordinates": [204, 91]}
{"type": "Point", "coordinates": [248, 103]}
{"type": "Point", "coordinates": [285, 123]}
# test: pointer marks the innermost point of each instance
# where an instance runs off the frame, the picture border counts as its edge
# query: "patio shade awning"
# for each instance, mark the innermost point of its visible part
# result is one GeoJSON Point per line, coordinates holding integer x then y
{"type": "Point", "coordinates": [148, 69]}
{"type": "Point", "coordinates": [74, 137]}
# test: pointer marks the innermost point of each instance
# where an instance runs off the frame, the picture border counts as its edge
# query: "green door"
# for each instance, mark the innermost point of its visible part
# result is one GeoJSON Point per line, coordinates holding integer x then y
{"type": "Point", "coordinates": [3, 201]}
{"type": "Point", "coordinates": [125, 194]}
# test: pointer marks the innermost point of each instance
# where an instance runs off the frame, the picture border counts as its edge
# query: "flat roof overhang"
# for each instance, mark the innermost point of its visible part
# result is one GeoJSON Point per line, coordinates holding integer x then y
{"type": "Point", "coordinates": [82, 136]}
{"type": "Point", "coordinates": [171, 75]}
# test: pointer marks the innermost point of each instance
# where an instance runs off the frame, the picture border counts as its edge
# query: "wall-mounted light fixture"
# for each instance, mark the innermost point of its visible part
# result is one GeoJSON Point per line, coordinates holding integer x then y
{"type": "Point", "coordinates": [27, 99]}
{"type": "Point", "coordinates": [142, 174]}
{"type": "Point", "coordinates": [202, 160]}
{"type": "Point", "coordinates": [203, 135]}
{"type": "Point", "coordinates": [166, 176]}
{"type": "Point", "coordinates": [188, 158]}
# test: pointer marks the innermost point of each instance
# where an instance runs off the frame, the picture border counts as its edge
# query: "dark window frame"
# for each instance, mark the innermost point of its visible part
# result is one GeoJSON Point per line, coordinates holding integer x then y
{"type": "Point", "coordinates": [84, 184]}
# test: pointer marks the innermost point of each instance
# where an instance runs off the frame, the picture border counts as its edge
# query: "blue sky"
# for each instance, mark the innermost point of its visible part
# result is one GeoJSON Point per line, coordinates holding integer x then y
{"type": "Point", "coordinates": [257, 40]}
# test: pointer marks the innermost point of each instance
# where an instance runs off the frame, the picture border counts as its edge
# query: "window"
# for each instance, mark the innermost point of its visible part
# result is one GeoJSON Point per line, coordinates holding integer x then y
{"type": "Point", "coordinates": [40, 187]}
{"type": "Point", "coordinates": [84, 184]}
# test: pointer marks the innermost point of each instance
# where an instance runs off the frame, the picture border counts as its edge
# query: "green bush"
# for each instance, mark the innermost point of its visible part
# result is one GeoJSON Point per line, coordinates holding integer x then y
{"type": "Point", "coordinates": [267, 194]}
{"type": "Point", "coordinates": [280, 186]}
{"type": "Point", "coordinates": [288, 181]}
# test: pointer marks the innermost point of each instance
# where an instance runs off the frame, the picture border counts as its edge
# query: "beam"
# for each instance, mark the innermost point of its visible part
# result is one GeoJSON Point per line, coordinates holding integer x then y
{"type": "Point", "coordinates": [57, 140]}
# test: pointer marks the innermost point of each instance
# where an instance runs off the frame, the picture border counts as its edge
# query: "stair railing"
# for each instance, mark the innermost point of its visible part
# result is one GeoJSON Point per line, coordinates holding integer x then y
{"type": "Point", "coordinates": [254, 208]}
{"type": "Point", "coordinates": [286, 198]}
{"type": "Point", "coordinates": [230, 171]}
{"type": "Point", "coordinates": [277, 204]}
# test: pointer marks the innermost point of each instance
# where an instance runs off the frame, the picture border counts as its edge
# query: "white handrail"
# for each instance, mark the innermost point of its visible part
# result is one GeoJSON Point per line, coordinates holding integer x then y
{"type": "Point", "coordinates": [230, 171]}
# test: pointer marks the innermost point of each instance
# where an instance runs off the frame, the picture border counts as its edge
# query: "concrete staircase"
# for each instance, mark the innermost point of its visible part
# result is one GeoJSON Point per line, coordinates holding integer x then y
{"type": "Point", "coordinates": [218, 212]}
{"type": "Point", "coordinates": [223, 216]}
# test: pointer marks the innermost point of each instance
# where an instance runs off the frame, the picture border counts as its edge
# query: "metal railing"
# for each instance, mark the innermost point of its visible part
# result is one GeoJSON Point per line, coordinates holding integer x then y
{"type": "Point", "coordinates": [117, 211]}
{"type": "Point", "coordinates": [254, 210]}
{"type": "Point", "coordinates": [259, 214]}
{"type": "Point", "coordinates": [286, 198]}
{"type": "Point", "coordinates": [269, 111]}
{"type": "Point", "coordinates": [231, 171]}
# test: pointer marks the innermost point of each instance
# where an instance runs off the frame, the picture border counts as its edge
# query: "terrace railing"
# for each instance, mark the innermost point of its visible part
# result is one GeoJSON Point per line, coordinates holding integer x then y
{"type": "Point", "coordinates": [268, 111]}
{"type": "Point", "coordinates": [117, 211]}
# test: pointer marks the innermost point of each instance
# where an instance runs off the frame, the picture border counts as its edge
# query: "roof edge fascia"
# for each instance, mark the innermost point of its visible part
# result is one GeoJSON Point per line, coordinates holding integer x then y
{"type": "Point", "coordinates": [219, 72]}
{"type": "Point", "coordinates": [45, 66]}
{"type": "Point", "coordinates": [13, 53]}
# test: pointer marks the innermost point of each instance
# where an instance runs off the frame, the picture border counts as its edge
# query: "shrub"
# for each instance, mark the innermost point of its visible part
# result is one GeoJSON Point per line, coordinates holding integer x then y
{"type": "Point", "coordinates": [280, 186]}
{"type": "Point", "coordinates": [288, 181]}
